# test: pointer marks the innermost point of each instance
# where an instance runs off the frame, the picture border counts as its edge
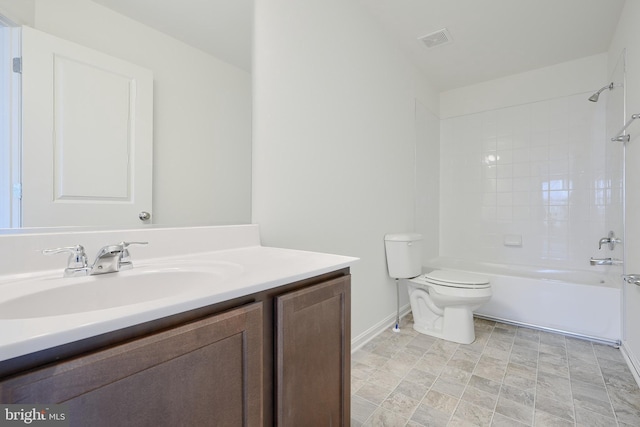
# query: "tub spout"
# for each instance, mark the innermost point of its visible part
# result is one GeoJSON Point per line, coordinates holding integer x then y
{"type": "Point", "coordinates": [605, 261]}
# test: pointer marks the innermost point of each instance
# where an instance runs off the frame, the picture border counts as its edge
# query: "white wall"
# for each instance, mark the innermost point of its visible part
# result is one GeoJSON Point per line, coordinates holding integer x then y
{"type": "Point", "coordinates": [202, 110]}
{"type": "Point", "coordinates": [568, 78]}
{"type": "Point", "coordinates": [427, 194]}
{"type": "Point", "coordinates": [626, 37]}
{"type": "Point", "coordinates": [334, 140]}
{"type": "Point", "coordinates": [514, 164]}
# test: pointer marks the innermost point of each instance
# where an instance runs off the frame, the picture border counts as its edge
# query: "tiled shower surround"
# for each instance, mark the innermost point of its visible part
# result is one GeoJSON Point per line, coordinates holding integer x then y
{"type": "Point", "coordinates": [536, 172]}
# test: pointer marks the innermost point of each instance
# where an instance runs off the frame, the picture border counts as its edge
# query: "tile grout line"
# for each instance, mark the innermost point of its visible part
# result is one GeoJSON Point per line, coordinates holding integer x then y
{"type": "Point", "coordinates": [405, 378]}
{"type": "Point", "coordinates": [495, 405]}
{"type": "Point", "coordinates": [606, 388]}
{"type": "Point", "coordinates": [573, 401]}
{"type": "Point", "coordinates": [435, 381]}
{"type": "Point", "coordinates": [505, 374]}
{"type": "Point", "coordinates": [535, 390]}
{"type": "Point", "coordinates": [379, 406]}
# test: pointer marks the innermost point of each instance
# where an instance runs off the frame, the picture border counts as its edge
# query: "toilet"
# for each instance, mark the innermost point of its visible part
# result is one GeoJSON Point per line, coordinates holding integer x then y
{"type": "Point", "coordinates": [442, 301]}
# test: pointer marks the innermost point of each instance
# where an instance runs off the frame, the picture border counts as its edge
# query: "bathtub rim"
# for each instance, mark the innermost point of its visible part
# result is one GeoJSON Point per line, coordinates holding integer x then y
{"type": "Point", "coordinates": [601, 278]}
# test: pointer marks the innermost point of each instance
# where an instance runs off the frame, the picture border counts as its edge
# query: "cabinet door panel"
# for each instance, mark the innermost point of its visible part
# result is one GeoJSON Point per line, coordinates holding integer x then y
{"type": "Point", "coordinates": [87, 135]}
{"type": "Point", "coordinates": [313, 355]}
{"type": "Point", "coordinates": [189, 390]}
{"type": "Point", "coordinates": [208, 372]}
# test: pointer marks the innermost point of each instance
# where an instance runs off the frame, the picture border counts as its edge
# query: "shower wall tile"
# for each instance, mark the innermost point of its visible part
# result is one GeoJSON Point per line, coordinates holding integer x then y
{"type": "Point", "coordinates": [539, 170]}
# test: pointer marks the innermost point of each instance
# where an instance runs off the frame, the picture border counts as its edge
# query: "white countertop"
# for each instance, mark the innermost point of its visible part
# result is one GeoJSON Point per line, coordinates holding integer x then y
{"type": "Point", "coordinates": [261, 268]}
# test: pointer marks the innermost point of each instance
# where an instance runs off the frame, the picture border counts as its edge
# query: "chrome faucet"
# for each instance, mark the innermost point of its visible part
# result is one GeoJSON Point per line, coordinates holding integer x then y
{"type": "Point", "coordinates": [77, 263]}
{"type": "Point", "coordinates": [107, 260]}
{"type": "Point", "coordinates": [110, 259]}
{"type": "Point", "coordinates": [605, 261]}
{"type": "Point", "coordinates": [611, 240]}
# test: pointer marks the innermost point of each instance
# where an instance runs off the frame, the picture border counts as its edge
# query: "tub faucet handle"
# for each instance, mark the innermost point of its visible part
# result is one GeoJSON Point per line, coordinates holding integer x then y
{"type": "Point", "coordinates": [610, 240]}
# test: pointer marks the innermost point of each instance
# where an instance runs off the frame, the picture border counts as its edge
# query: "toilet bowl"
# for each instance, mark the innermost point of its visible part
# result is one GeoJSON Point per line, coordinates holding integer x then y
{"type": "Point", "coordinates": [443, 302]}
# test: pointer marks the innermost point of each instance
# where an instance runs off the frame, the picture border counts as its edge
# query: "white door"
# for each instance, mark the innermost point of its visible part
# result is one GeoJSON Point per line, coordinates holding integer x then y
{"type": "Point", "coordinates": [87, 135]}
{"type": "Point", "coordinates": [9, 128]}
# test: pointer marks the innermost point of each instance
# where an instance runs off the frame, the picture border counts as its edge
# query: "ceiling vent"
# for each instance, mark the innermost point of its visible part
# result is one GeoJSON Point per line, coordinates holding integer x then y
{"type": "Point", "coordinates": [436, 38]}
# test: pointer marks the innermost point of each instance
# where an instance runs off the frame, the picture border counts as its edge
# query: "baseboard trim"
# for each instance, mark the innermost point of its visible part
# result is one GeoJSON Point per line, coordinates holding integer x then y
{"type": "Point", "coordinates": [377, 329]}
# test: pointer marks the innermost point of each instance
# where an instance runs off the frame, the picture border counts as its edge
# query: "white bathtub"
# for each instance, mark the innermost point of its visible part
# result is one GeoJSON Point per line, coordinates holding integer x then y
{"type": "Point", "coordinates": [581, 303]}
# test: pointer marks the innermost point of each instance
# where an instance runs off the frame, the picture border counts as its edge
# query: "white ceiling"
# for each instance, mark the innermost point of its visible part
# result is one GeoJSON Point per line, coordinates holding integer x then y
{"type": "Point", "coordinates": [496, 38]}
{"type": "Point", "coordinates": [220, 27]}
{"type": "Point", "coordinates": [491, 38]}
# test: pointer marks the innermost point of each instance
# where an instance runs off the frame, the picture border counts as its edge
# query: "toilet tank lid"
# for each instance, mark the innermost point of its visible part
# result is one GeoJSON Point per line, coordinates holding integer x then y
{"type": "Point", "coordinates": [403, 237]}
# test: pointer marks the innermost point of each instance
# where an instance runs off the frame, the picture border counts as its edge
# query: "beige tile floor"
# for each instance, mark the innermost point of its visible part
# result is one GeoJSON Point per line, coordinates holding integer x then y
{"type": "Point", "coordinates": [510, 376]}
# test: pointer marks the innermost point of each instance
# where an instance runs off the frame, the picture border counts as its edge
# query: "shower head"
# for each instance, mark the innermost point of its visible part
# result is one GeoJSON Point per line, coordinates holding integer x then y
{"type": "Point", "coordinates": [595, 96]}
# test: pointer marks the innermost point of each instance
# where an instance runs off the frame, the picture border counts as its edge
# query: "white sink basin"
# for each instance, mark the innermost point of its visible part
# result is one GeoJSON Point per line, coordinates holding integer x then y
{"type": "Point", "coordinates": [42, 310]}
{"type": "Point", "coordinates": [46, 297]}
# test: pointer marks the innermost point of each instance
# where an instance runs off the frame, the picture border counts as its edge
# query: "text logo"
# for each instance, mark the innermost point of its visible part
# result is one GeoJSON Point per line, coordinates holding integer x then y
{"type": "Point", "coordinates": [34, 415]}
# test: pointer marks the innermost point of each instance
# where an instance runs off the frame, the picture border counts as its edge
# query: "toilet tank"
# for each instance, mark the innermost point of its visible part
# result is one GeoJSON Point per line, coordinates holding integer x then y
{"type": "Point", "coordinates": [404, 255]}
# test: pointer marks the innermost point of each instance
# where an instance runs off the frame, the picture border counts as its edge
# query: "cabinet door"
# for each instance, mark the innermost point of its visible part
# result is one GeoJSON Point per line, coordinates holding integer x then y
{"type": "Point", "coordinates": [313, 355]}
{"type": "Point", "coordinates": [205, 373]}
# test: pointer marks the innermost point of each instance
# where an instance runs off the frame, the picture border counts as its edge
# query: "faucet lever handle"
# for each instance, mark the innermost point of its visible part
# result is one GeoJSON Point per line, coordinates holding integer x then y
{"type": "Point", "coordinates": [125, 251]}
{"type": "Point", "coordinates": [77, 263]}
{"type": "Point", "coordinates": [125, 259]}
{"type": "Point", "coordinates": [125, 245]}
{"type": "Point", "coordinates": [77, 256]}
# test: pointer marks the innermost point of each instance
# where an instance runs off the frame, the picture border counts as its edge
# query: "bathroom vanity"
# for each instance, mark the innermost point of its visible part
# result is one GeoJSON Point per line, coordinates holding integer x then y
{"type": "Point", "coordinates": [275, 352]}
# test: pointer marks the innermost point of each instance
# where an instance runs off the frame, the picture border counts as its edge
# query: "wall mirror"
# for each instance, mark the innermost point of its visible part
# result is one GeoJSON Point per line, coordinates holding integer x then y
{"type": "Point", "coordinates": [199, 55]}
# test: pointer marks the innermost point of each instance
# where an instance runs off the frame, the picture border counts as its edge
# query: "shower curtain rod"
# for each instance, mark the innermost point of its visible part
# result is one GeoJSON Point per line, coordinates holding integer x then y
{"type": "Point", "coordinates": [625, 138]}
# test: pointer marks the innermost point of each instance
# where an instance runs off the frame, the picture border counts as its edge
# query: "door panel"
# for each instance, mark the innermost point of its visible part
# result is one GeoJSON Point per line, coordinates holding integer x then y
{"type": "Point", "coordinates": [87, 138]}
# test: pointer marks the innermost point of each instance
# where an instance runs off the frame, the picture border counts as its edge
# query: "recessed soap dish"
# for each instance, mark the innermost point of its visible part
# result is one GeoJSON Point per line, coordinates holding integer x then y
{"type": "Point", "coordinates": [513, 240]}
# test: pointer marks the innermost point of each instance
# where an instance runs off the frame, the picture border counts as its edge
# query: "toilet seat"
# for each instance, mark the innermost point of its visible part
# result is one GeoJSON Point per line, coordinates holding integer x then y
{"type": "Point", "coordinates": [456, 279]}
{"type": "Point", "coordinates": [443, 302]}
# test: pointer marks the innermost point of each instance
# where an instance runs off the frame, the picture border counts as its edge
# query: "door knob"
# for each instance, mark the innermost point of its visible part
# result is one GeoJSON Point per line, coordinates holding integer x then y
{"type": "Point", "coordinates": [144, 216]}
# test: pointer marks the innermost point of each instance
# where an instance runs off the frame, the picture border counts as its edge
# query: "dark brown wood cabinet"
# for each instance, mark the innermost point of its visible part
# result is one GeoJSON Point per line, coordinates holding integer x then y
{"type": "Point", "coordinates": [313, 356]}
{"type": "Point", "coordinates": [205, 373]}
{"type": "Point", "coordinates": [278, 357]}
